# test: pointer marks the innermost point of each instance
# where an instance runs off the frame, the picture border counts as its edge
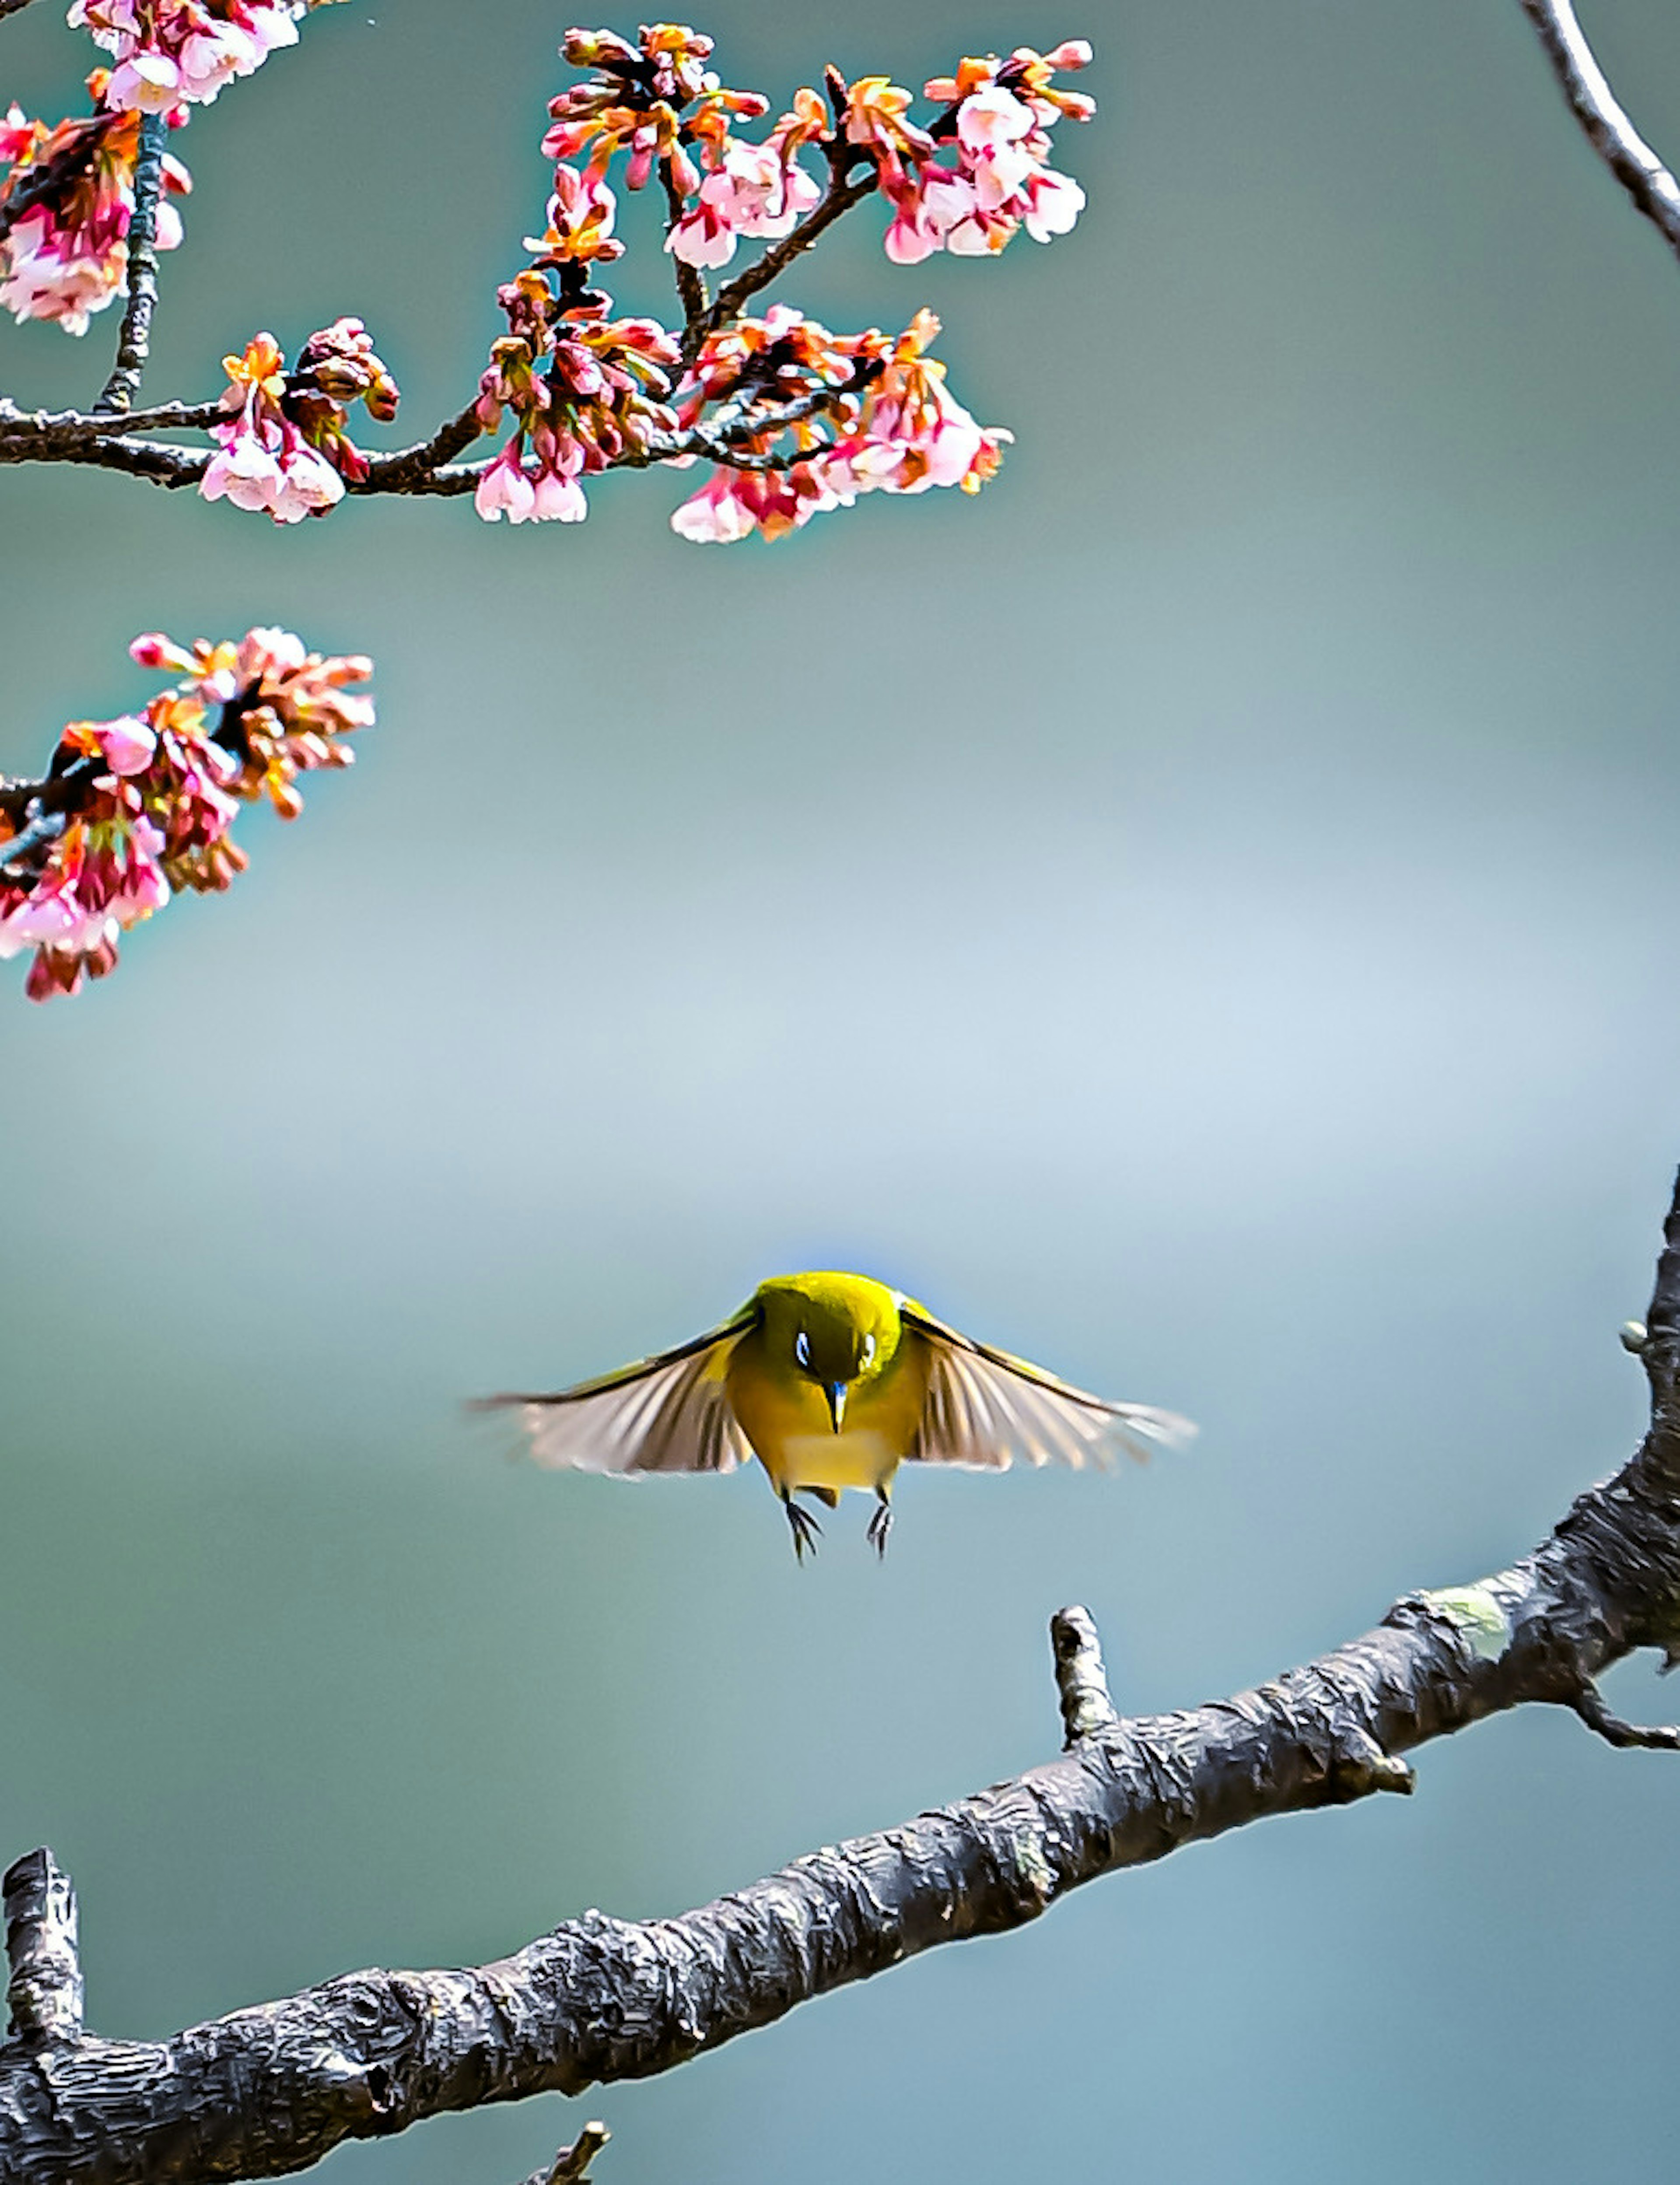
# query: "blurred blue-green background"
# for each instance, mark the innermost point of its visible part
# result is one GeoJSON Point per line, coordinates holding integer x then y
{"type": "Point", "coordinates": [1201, 914]}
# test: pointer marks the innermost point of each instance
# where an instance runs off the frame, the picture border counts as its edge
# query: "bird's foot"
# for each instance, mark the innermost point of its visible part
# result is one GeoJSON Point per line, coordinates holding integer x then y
{"type": "Point", "coordinates": [806, 1532]}
{"type": "Point", "coordinates": [879, 1526]}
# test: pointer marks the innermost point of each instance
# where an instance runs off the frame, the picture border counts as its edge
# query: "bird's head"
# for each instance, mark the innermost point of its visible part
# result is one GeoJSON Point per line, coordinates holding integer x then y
{"type": "Point", "coordinates": [836, 1330]}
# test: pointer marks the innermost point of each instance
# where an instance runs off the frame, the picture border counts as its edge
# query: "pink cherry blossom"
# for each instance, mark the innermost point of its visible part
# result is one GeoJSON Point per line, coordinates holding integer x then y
{"type": "Point", "coordinates": [127, 743]}
{"type": "Point", "coordinates": [504, 489]}
{"type": "Point", "coordinates": [169, 52]}
{"type": "Point", "coordinates": [754, 192]}
{"type": "Point", "coordinates": [67, 256]}
{"type": "Point", "coordinates": [152, 814]}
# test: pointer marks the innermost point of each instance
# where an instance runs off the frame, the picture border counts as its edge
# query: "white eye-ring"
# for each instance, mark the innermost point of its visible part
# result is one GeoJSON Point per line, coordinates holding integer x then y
{"type": "Point", "coordinates": [801, 1348]}
{"type": "Point", "coordinates": [868, 1351]}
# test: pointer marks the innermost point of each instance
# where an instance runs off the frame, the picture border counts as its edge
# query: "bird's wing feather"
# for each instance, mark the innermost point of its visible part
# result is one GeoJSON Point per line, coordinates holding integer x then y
{"type": "Point", "coordinates": [985, 1408]}
{"type": "Point", "coordinates": [670, 1413]}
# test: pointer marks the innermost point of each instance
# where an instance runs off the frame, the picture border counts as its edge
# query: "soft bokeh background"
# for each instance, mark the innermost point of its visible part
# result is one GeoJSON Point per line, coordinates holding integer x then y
{"type": "Point", "coordinates": [1201, 914]}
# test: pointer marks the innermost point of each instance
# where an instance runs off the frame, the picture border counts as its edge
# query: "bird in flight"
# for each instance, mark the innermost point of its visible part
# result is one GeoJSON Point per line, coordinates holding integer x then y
{"type": "Point", "coordinates": [831, 1381]}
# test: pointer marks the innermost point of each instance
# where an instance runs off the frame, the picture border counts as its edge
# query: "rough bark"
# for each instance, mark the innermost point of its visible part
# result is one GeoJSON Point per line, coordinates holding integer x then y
{"type": "Point", "coordinates": [271, 2090]}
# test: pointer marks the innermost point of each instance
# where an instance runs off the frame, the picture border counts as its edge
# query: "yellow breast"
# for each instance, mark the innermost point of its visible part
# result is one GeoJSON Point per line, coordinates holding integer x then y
{"type": "Point", "coordinates": [786, 1420]}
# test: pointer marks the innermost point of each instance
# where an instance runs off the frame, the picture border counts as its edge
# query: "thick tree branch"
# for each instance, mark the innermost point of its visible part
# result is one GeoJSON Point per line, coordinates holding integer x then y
{"type": "Point", "coordinates": [1607, 128]}
{"type": "Point", "coordinates": [271, 2090]}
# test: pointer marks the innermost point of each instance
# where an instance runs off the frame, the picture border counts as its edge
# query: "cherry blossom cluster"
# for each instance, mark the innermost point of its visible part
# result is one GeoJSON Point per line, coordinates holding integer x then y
{"type": "Point", "coordinates": [584, 390]}
{"type": "Point", "coordinates": [795, 418]}
{"type": "Point", "coordinates": [967, 180]}
{"type": "Point", "coordinates": [141, 806]}
{"type": "Point", "coordinates": [982, 171]}
{"type": "Point", "coordinates": [892, 425]}
{"type": "Point", "coordinates": [66, 198]}
{"type": "Point", "coordinates": [285, 448]}
{"type": "Point", "coordinates": [174, 53]}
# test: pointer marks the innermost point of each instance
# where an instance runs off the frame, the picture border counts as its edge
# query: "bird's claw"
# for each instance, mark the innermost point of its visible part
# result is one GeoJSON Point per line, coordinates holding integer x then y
{"type": "Point", "coordinates": [806, 1532]}
{"type": "Point", "coordinates": [879, 1526]}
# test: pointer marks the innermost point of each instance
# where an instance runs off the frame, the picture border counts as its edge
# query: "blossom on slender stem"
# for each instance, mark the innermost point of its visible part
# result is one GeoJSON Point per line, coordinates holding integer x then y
{"type": "Point", "coordinates": [753, 190]}
{"type": "Point", "coordinates": [285, 448]}
{"type": "Point", "coordinates": [169, 52]}
{"type": "Point", "coordinates": [649, 101]}
{"type": "Point", "coordinates": [585, 392]}
{"type": "Point", "coordinates": [982, 172]}
{"type": "Point", "coordinates": [65, 255]}
{"type": "Point", "coordinates": [146, 802]}
{"type": "Point", "coordinates": [910, 431]}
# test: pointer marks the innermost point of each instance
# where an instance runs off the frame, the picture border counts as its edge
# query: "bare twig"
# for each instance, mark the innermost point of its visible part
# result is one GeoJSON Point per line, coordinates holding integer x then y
{"type": "Point", "coordinates": [49, 427]}
{"type": "Point", "coordinates": [1612, 136]}
{"type": "Point", "coordinates": [573, 2163]}
{"type": "Point", "coordinates": [1086, 1707]}
{"type": "Point", "coordinates": [12, 8]}
{"type": "Point", "coordinates": [1588, 1703]}
{"type": "Point", "coordinates": [34, 834]}
{"type": "Point", "coordinates": [44, 1992]}
{"type": "Point", "coordinates": [134, 344]}
{"type": "Point", "coordinates": [690, 281]}
{"type": "Point", "coordinates": [393, 472]}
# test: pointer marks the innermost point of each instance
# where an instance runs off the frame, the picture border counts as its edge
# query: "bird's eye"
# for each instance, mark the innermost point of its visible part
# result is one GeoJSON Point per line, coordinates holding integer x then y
{"type": "Point", "coordinates": [801, 1348]}
{"type": "Point", "coordinates": [868, 1351]}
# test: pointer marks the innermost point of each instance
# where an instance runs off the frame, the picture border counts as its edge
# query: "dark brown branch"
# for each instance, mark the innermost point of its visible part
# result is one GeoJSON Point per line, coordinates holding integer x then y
{"type": "Point", "coordinates": [272, 2090]}
{"type": "Point", "coordinates": [428, 467]}
{"type": "Point", "coordinates": [690, 281]}
{"type": "Point", "coordinates": [12, 8]}
{"type": "Point", "coordinates": [838, 198]}
{"type": "Point", "coordinates": [397, 472]}
{"type": "Point", "coordinates": [1608, 130]}
{"type": "Point", "coordinates": [135, 342]}
{"type": "Point", "coordinates": [43, 1991]}
{"type": "Point", "coordinates": [49, 429]}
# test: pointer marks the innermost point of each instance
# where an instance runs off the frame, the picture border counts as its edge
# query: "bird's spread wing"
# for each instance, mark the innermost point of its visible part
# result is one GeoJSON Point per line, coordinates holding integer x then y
{"type": "Point", "coordinates": [665, 1414]}
{"type": "Point", "coordinates": [983, 1408]}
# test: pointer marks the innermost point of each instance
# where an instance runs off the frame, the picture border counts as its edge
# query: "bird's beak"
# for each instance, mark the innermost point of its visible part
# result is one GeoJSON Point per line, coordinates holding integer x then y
{"type": "Point", "coordinates": [835, 1393]}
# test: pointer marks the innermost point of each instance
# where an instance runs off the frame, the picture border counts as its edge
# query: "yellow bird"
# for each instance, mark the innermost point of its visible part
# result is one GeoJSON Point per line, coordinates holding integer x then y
{"type": "Point", "coordinates": [832, 1381]}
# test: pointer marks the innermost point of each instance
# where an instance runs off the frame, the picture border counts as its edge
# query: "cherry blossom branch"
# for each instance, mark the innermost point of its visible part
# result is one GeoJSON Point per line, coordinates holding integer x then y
{"type": "Point", "coordinates": [12, 8]}
{"type": "Point", "coordinates": [428, 467]}
{"type": "Point", "coordinates": [271, 2090]}
{"type": "Point", "coordinates": [839, 198]}
{"type": "Point", "coordinates": [1603, 121]}
{"type": "Point", "coordinates": [134, 343]}
{"type": "Point", "coordinates": [690, 281]}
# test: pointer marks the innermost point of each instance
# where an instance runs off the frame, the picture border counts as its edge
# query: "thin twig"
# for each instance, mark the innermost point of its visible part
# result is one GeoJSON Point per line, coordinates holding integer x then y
{"type": "Point", "coordinates": [45, 827]}
{"type": "Point", "coordinates": [135, 342]}
{"type": "Point", "coordinates": [11, 7]}
{"type": "Point", "coordinates": [48, 425]}
{"type": "Point", "coordinates": [44, 1992]}
{"type": "Point", "coordinates": [690, 281]}
{"type": "Point", "coordinates": [393, 472]}
{"type": "Point", "coordinates": [1611, 135]}
{"type": "Point", "coordinates": [1588, 1703]}
{"type": "Point", "coordinates": [839, 198]}
{"type": "Point", "coordinates": [1081, 1679]}
{"type": "Point", "coordinates": [573, 2163]}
